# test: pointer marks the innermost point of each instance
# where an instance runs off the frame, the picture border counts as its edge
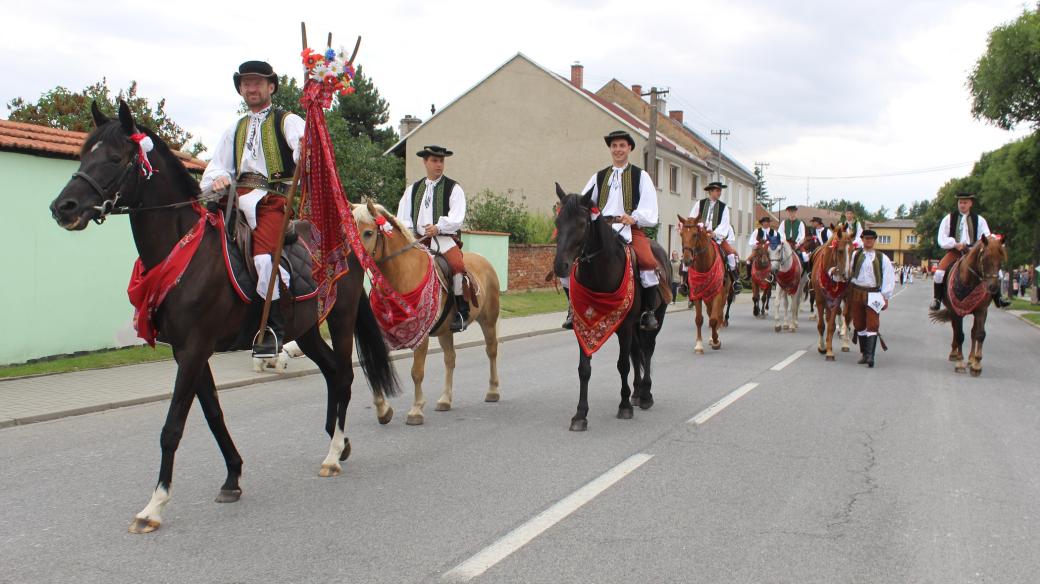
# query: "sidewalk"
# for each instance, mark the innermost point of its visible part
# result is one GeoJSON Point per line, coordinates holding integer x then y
{"type": "Point", "coordinates": [48, 397]}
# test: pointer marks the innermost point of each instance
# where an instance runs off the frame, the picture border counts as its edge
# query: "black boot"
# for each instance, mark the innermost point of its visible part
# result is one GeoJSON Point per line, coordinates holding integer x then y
{"type": "Point", "coordinates": [999, 300]}
{"type": "Point", "coordinates": [862, 350]}
{"type": "Point", "coordinates": [271, 344]}
{"type": "Point", "coordinates": [870, 342]}
{"type": "Point", "coordinates": [458, 324]}
{"type": "Point", "coordinates": [937, 294]}
{"type": "Point", "coordinates": [735, 276]}
{"type": "Point", "coordinates": [568, 322]}
{"type": "Point", "coordinates": [651, 300]}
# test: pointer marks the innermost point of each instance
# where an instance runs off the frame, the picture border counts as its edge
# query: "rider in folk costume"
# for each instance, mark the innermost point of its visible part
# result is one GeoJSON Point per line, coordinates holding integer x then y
{"type": "Point", "coordinates": [820, 231]}
{"type": "Point", "coordinates": [765, 232]}
{"type": "Point", "coordinates": [958, 231]}
{"type": "Point", "coordinates": [714, 214]}
{"type": "Point", "coordinates": [873, 281]}
{"type": "Point", "coordinates": [853, 226]}
{"type": "Point", "coordinates": [260, 152]}
{"type": "Point", "coordinates": [626, 193]}
{"type": "Point", "coordinates": [792, 229]}
{"type": "Point", "coordinates": [435, 207]}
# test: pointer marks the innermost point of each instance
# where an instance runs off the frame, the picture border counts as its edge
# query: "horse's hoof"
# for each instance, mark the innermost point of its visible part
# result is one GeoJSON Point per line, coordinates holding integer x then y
{"type": "Point", "coordinates": [975, 372]}
{"type": "Point", "coordinates": [442, 406]}
{"type": "Point", "coordinates": [579, 425]}
{"type": "Point", "coordinates": [229, 495]}
{"type": "Point", "coordinates": [844, 349]}
{"type": "Point", "coordinates": [492, 397]}
{"type": "Point", "coordinates": [830, 357]}
{"type": "Point", "coordinates": [330, 470]}
{"type": "Point", "coordinates": [786, 327]}
{"type": "Point", "coordinates": [646, 404]}
{"type": "Point", "coordinates": [716, 346]}
{"type": "Point", "coordinates": [821, 350]}
{"type": "Point", "coordinates": [346, 450]}
{"type": "Point", "coordinates": [389, 415]}
{"type": "Point", "coordinates": [142, 525]}
{"type": "Point", "coordinates": [414, 420]}
{"type": "Point", "coordinates": [777, 328]}
{"type": "Point", "coordinates": [954, 358]}
{"type": "Point", "coordinates": [635, 400]}
{"type": "Point", "coordinates": [624, 413]}
{"type": "Point", "coordinates": [959, 369]}
{"type": "Point", "coordinates": [699, 351]}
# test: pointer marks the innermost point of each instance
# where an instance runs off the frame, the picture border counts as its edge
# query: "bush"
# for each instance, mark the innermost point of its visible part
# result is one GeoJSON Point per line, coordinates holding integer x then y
{"type": "Point", "coordinates": [540, 228]}
{"type": "Point", "coordinates": [489, 211]}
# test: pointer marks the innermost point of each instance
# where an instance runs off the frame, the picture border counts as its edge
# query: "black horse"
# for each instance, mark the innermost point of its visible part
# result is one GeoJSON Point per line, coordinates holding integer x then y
{"type": "Point", "coordinates": [600, 253]}
{"type": "Point", "coordinates": [202, 314]}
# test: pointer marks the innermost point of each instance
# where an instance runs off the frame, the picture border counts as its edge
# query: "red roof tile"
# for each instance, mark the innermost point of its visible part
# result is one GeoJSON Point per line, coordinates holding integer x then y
{"type": "Point", "coordinates": [30, 138]}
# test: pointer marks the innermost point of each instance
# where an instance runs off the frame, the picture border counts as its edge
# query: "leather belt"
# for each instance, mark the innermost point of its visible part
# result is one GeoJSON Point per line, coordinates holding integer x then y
{"type": "Point", "coordinates": [253, 180]}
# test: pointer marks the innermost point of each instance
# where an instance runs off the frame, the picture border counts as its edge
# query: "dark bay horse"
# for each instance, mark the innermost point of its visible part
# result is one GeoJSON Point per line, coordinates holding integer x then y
{"type": "Point", "coordinates": [976, 275]}
{"type": "Point", "coordinates": [761, 275]}
{"type": "Point", "coordinates": [599, 253]}
{"type": "Point", "coordinates": [201, 314]}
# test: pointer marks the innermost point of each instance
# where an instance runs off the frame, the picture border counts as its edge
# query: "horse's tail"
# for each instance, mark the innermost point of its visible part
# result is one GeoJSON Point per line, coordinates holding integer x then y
{"type": "Point", "coordinates": [373, 353]}
{"type": "Point", "coordinates": [941, 315]}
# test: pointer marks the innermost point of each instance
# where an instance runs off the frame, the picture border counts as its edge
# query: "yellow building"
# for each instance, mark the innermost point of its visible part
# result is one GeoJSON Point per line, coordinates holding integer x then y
{"type": "Point", "coordinates": [897, 238]}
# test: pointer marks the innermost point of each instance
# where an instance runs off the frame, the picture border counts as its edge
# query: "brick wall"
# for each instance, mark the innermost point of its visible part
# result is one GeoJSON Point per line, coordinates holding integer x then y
{"type": "Point", "coordinates": [528, 265]}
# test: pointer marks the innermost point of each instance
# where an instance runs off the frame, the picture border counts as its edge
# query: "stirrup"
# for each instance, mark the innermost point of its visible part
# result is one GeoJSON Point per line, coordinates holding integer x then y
{"type": "Point", "coordinates": [269, 347]}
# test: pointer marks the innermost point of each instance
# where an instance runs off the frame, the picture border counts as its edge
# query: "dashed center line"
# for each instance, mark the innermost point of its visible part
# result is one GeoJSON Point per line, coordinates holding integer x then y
{"type": "Point", "coordinates": [721, 404]}
{"type": "Point", "coordinates": [779, 366]}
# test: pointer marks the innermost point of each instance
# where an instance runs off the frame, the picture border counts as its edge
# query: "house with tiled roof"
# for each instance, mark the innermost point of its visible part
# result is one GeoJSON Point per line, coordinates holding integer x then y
{"type": "Point", "coordinates": [523, 128]}
{"type": "Point", "coordinates": [63, 292]}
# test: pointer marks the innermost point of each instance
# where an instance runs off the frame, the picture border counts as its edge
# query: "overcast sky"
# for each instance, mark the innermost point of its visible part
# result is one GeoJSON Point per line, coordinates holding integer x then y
{"type": "Point", "coordinates": [820, 88]}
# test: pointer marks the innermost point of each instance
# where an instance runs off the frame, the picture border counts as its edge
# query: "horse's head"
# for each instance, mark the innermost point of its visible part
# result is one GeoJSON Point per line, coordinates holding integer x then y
{"type": "Point", "coordinates": [835, 258]}
{"type": "Point", "coordinates": [573, 225]}
{"type": "Point", "coordinates": [694, 237]}
{"type": "Point", "coordinates": [111, 170]}
{"type": "Point", "coordinates": [381, 233]}
{"type": "Point", "coordinates": [760, 255]}
{"type": "Point", "coordinates": [985, 258]}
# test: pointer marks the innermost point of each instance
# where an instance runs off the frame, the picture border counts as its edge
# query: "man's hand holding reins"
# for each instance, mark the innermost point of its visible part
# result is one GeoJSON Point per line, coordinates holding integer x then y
{"type": "Point", "coordinates": [221, 183]}
{"type": "Point", "coordinates": [626, 220]}
{"type": "Point", "coordinates": [431, 230]}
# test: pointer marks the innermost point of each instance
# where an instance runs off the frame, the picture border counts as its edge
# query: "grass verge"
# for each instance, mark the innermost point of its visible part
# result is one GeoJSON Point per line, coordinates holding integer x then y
{"type": "Point", "coordinates": [532, 302]}
{"type": "Point", "coordinates": [95, 360]}
{"type": "Point", "coordinates": [1019, 303]}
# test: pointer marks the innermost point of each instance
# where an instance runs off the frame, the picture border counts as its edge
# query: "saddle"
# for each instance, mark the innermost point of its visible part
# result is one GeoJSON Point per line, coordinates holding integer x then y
{"type": "Point", "coordinates": [444, 274]}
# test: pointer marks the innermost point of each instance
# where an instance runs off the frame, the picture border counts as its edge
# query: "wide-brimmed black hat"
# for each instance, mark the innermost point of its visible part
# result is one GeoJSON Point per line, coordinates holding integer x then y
{"type": "Point", "coordinates": [255, 68]}
{"type": "Point", "coordinates": [619, 134]}
{"type": "Point", "coordinates": [764, 219]}
{"type": "Point", "coordinates": [849, 210]}
{"type": "Point", "coordinates": [817, 220]}
{"type": "Point", "coordinates": [966, 196]}
{"type": "Point", "coordinates": [791, 208]}
{"type": "Point", "coordinates": [434, 151]}
{"type": "Point", "coordinates": [714, 185]}
{"type": "Point", "coordinates": [868, 233]}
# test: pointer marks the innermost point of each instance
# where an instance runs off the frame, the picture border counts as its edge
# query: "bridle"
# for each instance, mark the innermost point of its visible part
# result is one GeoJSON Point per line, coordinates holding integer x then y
{"type": "Point", "coordinates": [381, 244]}
{"type": "Point", "coordinates": [698, 250]}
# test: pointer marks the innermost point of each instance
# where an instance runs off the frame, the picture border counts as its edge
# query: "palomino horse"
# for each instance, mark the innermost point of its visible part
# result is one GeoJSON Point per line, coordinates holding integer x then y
{"type": "Point", "coordinates": [406, 265]}
{"type": "Point", "coordinates": [830, 266]}
{"type": "Point", "coordinates": [761, 279]}
{"type": "Point", "coordinates": [970, 283]}
{"type": "Point", "coordinates": [709, 280]}
{"type": "Point", "coordinates": [790, 279]}
{"type": "Point", "coordinates": [201, 314]}
{"type": "Point", "coordinates": [599, 258]}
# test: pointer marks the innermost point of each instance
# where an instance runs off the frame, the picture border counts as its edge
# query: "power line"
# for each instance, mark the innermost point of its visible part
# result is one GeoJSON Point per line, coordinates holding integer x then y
{"type": "Point", "coordinates": [880, 175]}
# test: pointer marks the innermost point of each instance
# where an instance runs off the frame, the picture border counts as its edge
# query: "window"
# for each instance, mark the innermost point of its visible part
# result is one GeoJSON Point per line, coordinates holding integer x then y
{"type": "Point", "coordinates": [657, 173]}
{"type": "Point", "coordinates": [911, 239]}
{"type": "Point", "coordinates": [673, 178]}
{"type": "Point", "coordinates": [884, 239]}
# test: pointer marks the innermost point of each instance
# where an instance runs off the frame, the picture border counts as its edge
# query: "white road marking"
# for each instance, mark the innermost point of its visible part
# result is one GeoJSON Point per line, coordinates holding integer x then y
{"type": "Point", "coordinates": [519, 537]}
{"type": "Point", "coordinates": [779, 366]}
{"type": "Point", "coordinates": [721, 404]}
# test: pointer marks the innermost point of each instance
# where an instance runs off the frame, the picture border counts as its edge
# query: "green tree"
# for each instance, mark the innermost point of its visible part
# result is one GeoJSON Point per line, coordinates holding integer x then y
{"type": "Point", "coordinates": [69, 110]}
{"type": "Point", "coordinates": [1003, 84]}
{"type": "Point", "coordinates": [861, 212]}
{"type": "Point", "coordinates": [761, 192]}
{"type": "Point", "coordinates": [901, 211]}
{"type": "Point", "coordinates": [366, 112]}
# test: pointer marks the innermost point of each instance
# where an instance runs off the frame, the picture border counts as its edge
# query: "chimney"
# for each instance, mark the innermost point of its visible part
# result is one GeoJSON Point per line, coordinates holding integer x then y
{"type": "Point", "coordinates": [409, 123]}
{"type": "Point", "coordinates": [676, 115]}
{"type": "Point", "coordinates": [638, 90]}
{"type": "Point", "coordinates": [577, 74]}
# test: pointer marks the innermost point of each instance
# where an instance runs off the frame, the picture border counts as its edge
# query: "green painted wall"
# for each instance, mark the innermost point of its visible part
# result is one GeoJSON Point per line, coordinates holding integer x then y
{"type": "Point", "coordinates": [61, 291]}
{"type": "Point", "coordinates": [493, 246]}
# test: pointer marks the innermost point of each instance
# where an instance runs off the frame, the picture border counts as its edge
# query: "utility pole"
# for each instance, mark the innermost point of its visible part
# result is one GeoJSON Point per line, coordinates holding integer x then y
{"type": "Point", "coordinates": [718, 164]}
{"type": "Point", "coordinates": [761, 166]}
{"type": "Point", "coordinates": [651, 149]}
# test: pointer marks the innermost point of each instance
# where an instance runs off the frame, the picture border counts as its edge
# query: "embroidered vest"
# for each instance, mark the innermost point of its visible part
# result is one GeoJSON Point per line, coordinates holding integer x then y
{"type": "Point", "coordinates": [791, 229]}
{"type": "Point", "coordinates": [972, 224]}
{"type": "Point", "coordinates": [763, 234]}
{"type": "Point", "coordinates": [630, 178]}
{"type": "Point", "coordinates": [857, 265]}
{"type": "Point", "coordinates": [441, 198]}
{"type": "Point", "coordinates": [824, 235]}
{"type": "Point", "coordinates": [716, 217]}
{"type": "Point", "coordinates": [277, 153]}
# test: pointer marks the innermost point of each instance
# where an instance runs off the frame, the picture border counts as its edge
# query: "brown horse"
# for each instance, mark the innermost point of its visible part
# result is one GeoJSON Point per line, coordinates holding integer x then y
{"type": "Point", "coordinates": [830, 265]}
{"type": "Point", "coordinates": [761, 275]}
{"type": "Point", "coordinates": [976, 275]}
{"type": "Point", "coordinates": [703, 257]}
{"type": "Point", "coordinates": [406, 264]}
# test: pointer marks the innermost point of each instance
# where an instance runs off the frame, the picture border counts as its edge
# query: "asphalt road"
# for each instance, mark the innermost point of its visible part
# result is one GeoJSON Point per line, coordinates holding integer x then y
{"type": "Point", "coordinates": [822, 472]}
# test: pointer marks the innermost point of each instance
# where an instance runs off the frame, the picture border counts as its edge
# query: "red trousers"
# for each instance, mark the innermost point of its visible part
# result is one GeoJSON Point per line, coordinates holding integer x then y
{"type": "Point", "coordinates": [947, 260]}
{"type": "Point", "coordinates": [644, 255]}
{"type": "Point", "coordinates": [270, 214]}
{"type": "Point", "coordinates": [455, 262]}
{"type": "Point", "coordinates": [727, 248]}
{"type": "Point", "coordinates": [863, 317]}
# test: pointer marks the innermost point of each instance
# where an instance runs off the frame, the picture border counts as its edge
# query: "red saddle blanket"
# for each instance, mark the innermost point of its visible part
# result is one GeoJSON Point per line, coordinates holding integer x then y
{"type": "Point", "coordinates": [760, 277]}
{"type": "Point", "coordinates": [833, 291]}
{"type": "Point", "coordinates": [788, 280]}
{"type": "Point", "coordinates": [963, 299]}
{"type": "Point", "coordinates": [705, 285]}
{"type": "Point", "coordinates": [403, 328]}
{"type": "Point", "coordinates": [598, 314]}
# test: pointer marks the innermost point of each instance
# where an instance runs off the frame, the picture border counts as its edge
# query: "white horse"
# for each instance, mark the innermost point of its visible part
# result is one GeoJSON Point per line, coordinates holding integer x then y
{"type": "Point", "coordinates": [790, 279]}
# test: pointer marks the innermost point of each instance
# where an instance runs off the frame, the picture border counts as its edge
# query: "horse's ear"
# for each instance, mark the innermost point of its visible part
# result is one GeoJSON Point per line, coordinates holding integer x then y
{"type": "Point", "coordinates": [586, 199]}
{"type": "Point", "coordinates": [371, 209]}
{"type": "Point", "coordinates": [682, 220]}
{"type": "Point", "coordinates": [984, 240]}
{"type": "Point", "coordinates": [560, 193]}
{"type": "Point", "coordinates": [100, 119]}
{"type": "Point", "coordinates": [126, 119]}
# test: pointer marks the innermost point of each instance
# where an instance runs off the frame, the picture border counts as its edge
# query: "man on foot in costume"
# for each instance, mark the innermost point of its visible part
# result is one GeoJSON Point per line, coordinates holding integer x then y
{"type": "Point", "coordinates": [260, 151]}
{"type": "Point", "coordinates": [435, 207]}
{"type": "Point", "coordinates": [872, 274]}
{"type": "Point", "coordinates": [627, 193]}
{"type": "Point", "coordinates": [958, 231]}
{"type": "Point", "coordinates": [714, 214]}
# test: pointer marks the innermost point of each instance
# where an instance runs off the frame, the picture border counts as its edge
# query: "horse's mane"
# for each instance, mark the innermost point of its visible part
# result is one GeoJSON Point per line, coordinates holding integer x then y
{"type": "Point", "coordinates": [113, 132]}
{"type": "Point", "coordinates": [362, 215]}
